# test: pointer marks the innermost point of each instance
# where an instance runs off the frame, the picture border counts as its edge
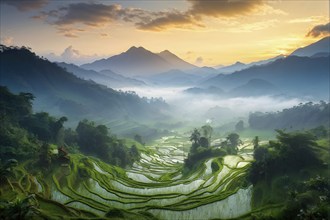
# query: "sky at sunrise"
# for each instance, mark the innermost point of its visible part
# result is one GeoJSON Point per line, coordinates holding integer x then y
{"type": "Point", "coordinates": [199, 31]}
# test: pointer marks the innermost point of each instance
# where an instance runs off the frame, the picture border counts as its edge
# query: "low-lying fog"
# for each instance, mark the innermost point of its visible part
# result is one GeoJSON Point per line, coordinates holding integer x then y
{"type": "Point", "coordinates": [186, 106]}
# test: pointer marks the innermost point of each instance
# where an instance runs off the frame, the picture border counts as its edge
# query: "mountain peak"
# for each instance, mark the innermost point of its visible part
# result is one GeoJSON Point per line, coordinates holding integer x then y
{"type": "Point", "coordinates": [239, 63]}
{"type": "Point", "coordinates": [136, 49]}
{"type": "Point", "coordinates": [166, 52]}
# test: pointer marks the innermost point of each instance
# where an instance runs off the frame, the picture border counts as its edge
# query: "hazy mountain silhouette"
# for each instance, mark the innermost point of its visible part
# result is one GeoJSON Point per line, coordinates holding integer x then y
{"type": "Point", "coordinates": [175, 61]}
{"type": "Point", "coordinates": [298, 76]}
{"type": "Point", "coordinates": [321, 54]}
{"type": "Point", "coordinates": [240, 66]}
{"type": "Point", "coordinates": [232, 68]}
{"type": "Point", "coordinates": [137, 61]}
{"type": "Point", "coordinates": [105, 77]}
{"type": "Point", "coordinates": [254, 87]}
{"type": "Point", "coordinates": [321, 46]}
{"type": "Point", "coordinates": [122, 81]}
{"type": "Point", "coordinates": [173, 77]}
{"type": "Point", "coordinates": [60, 92]}
{"type": "Point", "coordinates": [212, 90]}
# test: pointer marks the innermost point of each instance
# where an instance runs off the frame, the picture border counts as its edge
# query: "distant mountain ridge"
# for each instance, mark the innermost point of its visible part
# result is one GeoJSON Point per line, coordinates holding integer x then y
{"type": "Point", "coordinates": [240, 66]}
{"type": "Point", "coordinates": [137, 61]}
{"type": "Point", "coordinates": [321, 46]}
{"type": "Point", "coordinates": [172, 77]}
{"type": "Point", "coordinates": [297, 76]}
{"type": "Point", "coordinates": [105, 77]}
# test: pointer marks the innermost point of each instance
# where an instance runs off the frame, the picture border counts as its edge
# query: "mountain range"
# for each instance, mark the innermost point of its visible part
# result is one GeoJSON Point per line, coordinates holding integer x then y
{"type": "Point", "coordinates": [67, 89]}
{"type": "Point", "coordinates": [137, 61]}
{"type": "Point", "coordinates": [321, 47]}
{"type": "Point", "coordinates": [104, 77]}
{"type": "Point", "coordinates": [240, 66]}
{"type": "Point", "coordinates": [62, 93]}
{"type": "Point", "coordinates": [306, 75]}
{"type": "Point", "coordinates": [294, 76]}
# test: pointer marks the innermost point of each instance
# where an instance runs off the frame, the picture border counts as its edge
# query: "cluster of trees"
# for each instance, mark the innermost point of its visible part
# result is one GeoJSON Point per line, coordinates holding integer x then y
{"type": "Point", "coordinates": [201, 139]}
{"type": "Point", "coordinates": [25, 134]}
{"type": "Point", "coordinates": [303, 116]}
{"type": "Point", "coordinates": [201, 149]}
{"type": "Point", "coordinates": [97, 140]}
{"type": "Point", "coordinates": [291, 166]}
{"type": "Point", "coordinates": [230, 145]}
{"type": "Point", "coordinates": [16, 142]}
{"type": "Point", "coordinates": [290, 152]}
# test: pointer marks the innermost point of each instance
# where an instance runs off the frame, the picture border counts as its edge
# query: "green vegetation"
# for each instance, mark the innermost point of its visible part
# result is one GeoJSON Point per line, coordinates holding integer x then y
{"type": "Point", "coordinates": [36, 142]}
{"type": "Point", "coordinates": [303, 116]}
{"type": "Point", "coordinates": [292, 174]}
{"type": "Point", "coordinates": [25, 135]}
{"type": "Point", "coordinates": [50, 172]}
{"type": "Point", "coordinates": [96, 140]}
{"type": "Point", "coordinates": [201, 150]}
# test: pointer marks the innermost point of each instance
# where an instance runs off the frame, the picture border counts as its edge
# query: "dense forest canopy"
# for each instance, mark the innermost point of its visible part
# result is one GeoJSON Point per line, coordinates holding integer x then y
{"type": "Point", "coordinates": [24, 133]}
{"type": "Point", "coordinates": [303, 116]}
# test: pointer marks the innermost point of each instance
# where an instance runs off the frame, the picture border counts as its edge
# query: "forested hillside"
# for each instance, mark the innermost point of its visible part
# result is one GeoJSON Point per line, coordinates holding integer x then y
{"type": "Point", "coordinates": [303, 116]}
{"type": "Point", "coordinates": [62, 93]}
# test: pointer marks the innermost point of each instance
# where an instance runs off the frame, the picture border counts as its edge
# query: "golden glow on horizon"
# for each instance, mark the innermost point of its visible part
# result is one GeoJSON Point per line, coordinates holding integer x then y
{"type": "Point", "coordinates": [279, 28]}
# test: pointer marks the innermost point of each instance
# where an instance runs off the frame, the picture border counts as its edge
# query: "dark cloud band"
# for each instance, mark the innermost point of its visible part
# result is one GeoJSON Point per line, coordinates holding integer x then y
{"type": "Point", "coordinates": [224, 8]}
{"type": "Point", "coordinates": [319, 30]}
{"type": "Point", "coordinates": [24, 5]}
{"type": "Point", "coordinates": [94, 14]}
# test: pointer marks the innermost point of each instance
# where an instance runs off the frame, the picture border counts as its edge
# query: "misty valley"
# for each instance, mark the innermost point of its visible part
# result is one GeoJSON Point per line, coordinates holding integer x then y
{"type": "Point", "coordinates": [144, 135]}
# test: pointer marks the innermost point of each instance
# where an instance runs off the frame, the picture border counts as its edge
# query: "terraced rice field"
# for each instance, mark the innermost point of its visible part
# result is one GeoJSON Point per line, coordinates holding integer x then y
{"type": "Point", "coordinates": [155, 184]}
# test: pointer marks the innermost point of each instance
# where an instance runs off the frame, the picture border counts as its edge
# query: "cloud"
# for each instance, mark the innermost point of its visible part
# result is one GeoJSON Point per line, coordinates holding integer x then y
{"type": "Point", "coordinates": [8, 41]}
{"type": "Point", "coordinates": [224, 8]}
{"type": "Point", "coordinates": [71, 55]}
{"type": "Point", "coordinates": [93, 15]}
{"type": "Point", "coordinates": [186, 106]}
{"type": "Point", "coordinates": [251, 27]}
{"type": "Point", "coordinates": [69, 31]}
{"type": "Point", "coordinates": [25, 5]}
{"type": "Point", "coordinates": [199, 10]}
{"type": "Point", "coordinates": [104, 35]}
{"type": "Point", "coordinates": [308, 19]}
{"type": "Point", "coordinates": [173, 19]}
{"type": "Point", "coordinates": [88, 14]}
{"type": "Point", "coordinates": [199, 61]}
{"type": "Point", "coordinates": [319, 30]}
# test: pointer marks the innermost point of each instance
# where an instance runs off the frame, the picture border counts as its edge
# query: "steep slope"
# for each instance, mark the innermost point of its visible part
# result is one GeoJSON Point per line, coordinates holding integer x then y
{"type": "Point", "coordinates": [175, 61]}
{"type": "Point", "coordinates": [298, 76]}
{"type": "Point", "coordinates": [135, 61]}
{"type": "Point", "coordinates": [321, 46]}
{"type": "Point", "coordinates": [106, 77]}
{"type": "Point", "coordinates": [60, 92]}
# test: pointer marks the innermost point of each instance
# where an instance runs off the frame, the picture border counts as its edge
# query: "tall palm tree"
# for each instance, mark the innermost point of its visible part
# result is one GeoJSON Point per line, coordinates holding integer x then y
{"type": "Point", "coordinates": [195, 136]}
